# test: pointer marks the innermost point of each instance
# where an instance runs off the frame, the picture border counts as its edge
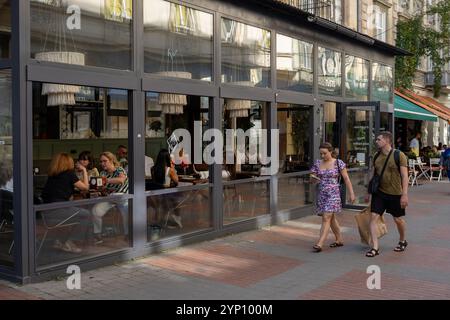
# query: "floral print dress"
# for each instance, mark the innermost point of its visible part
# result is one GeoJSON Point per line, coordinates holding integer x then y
{"type": "Point", "coordinates": [329, 195]}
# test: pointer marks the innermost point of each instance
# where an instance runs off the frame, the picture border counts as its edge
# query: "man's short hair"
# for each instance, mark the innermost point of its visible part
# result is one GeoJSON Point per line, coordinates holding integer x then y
{"type": "Point", "coordinates": [387, 136]}
{"type": "Point", "coordinates": [122, 147]}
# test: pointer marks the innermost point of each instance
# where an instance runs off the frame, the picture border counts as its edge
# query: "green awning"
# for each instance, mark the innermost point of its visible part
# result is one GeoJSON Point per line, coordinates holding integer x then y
{"type": "Point", "coordinates": [408, 110]}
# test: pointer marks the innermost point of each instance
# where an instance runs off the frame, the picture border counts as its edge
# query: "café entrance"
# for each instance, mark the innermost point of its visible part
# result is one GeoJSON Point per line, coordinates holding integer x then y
{"type": "Point", "coordinates": [360, 124]}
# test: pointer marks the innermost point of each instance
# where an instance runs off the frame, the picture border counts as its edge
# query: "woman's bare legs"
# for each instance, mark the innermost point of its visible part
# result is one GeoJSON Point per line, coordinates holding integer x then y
{"type": "Point", "coordinates": [336, 228]}
{"type": "Point", "coordinates": [325, 228]}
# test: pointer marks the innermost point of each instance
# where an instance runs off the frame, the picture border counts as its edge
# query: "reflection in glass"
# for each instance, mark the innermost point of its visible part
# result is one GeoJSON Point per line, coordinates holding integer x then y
{"type": "Point", "coordinates": [293, 121]}
{"type": "Point", "coordinates": [247, 118]}
{"type": "Point", "coordinates": [386, 121]}
{"type": "Point", "coordinates": [94, 33]}
{"type": "Point", "coordinates": [330, 74]}
{"type": "Point", "coordinates": [360, 126]}
{"type": "Point", "coordinates": [6, 172]}
{"type": "Point", "coordinates": [5, 29]}
{"type": "Point", "coordinates": [294, 192]}
{"type": "Point", "coordinates": [178, 40]}
{"type": "Point", "coordinates": [382, 83]}
{"type": "Point", "coordinates": [294, 64]}
{"type": "Point", "coordinates": [245, 54]}
{"type": "Point", "coordinates": [178, 212]}
{"type": "Point", "coordinates": [245, 200]}
{"type": "Point", "coordinates": [67, 233]}
{"type": "Point", "coordinates": [359, 179]}
{"type": "Point", "coordinates": [356, 78]}
{"type": "Point", "coordinates": [160, 126]}
{"type": "Point", "coordinates": [330, 132]}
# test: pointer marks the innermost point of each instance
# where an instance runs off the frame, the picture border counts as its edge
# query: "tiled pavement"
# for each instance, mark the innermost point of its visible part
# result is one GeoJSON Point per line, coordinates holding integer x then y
{"type": "Point", "coordinates": [277, 263]}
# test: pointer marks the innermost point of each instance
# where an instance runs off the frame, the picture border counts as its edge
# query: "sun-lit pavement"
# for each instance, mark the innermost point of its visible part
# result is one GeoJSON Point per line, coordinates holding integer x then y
{"type": "Point", "coordinates": [277, 263]}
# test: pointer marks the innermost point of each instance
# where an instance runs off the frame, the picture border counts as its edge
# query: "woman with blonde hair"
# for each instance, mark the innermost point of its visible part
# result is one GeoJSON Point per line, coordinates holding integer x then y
{"type": "Point", "coordinates": [327, 172]}
{"type": "Point", "coordinates": [116, 182]}
{"type": "Point", "coordinates": [60, 186]}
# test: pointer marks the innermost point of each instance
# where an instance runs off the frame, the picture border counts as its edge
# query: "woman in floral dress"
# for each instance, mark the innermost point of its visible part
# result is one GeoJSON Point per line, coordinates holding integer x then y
{"type": "Point", "coordinates": [326, 172]}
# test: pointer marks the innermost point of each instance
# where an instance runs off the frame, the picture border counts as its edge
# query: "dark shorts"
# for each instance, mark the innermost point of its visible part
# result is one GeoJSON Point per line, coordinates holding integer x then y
{"type": "Point", "coordinates": [382, 202]}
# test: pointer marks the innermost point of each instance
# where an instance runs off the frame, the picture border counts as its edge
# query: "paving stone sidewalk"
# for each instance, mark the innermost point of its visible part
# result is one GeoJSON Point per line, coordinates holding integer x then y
{"type": "Point", "coordinates": [277, 263]}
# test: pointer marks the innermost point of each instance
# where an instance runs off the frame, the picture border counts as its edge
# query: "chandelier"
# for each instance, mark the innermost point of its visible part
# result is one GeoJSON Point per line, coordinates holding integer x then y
{"type": "Point", "coordinates": [59, 94]}
{"type": "Point", "coordinates": [238, 108]}
{"type": "Point", "coordinates": [173, 103]}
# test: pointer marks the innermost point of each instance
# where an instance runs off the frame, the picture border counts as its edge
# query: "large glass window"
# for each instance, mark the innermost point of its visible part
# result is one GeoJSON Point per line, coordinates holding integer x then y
{"type": "Point", "coordinates": [245, 54]}
{"type": "Point", "coordinates": [330, 74]}
{"type": "Point", "coordinates": [82, 32]}
{"type": "Point", "coordinates": [174, 164]}
{"type": "Point", "coordinates": [178, 40]}
{"type": "Point", "coordinates": [294, 121]}
{"type": "Point", "coordinates": [332, 10]}
{"type": "Point", "coordinates": [80, 139]}
{"type": "Point", "coordinates": [382, 82]}
{"type": "Point", "coordinates": [380, 23]}
{"type": "Point", "coordinates": [6, 172]}
{"type": "Point", "coordinates": [356, 77]}
{"type": "Point", "coordinates": [244, 155]}
{"type": "Point", "coordinates": [294, 64]}
{"type": "Point", "coordinates": [5, 29]}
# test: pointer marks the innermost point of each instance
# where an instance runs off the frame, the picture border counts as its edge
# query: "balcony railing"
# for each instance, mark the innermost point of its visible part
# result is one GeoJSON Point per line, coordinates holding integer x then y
{"type": "Point", "coordinates": [429, 78]}
{"type": "Point", "coordinates": [311, 6]}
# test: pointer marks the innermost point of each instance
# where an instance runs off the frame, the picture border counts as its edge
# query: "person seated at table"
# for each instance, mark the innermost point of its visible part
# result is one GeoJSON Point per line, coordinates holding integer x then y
{"type": "Point", "coordinates": [60, 186]}
{"type": "Point", "coordinates": [116, 182]}
{"type": "Point", "coordinates": [164, 172]}
{"type": "Point", "coordinates": [122, 157]}
{"type": "Point", "coordinates": [165, 175]}
{"type": "Point", "coordinates": [86, 160]}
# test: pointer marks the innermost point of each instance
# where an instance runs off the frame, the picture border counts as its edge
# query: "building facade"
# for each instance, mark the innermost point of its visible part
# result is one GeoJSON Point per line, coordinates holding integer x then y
{"type": "Point", "coordinates": [116, 76]}
{"type": "Point", "coordinates": [433, 132]}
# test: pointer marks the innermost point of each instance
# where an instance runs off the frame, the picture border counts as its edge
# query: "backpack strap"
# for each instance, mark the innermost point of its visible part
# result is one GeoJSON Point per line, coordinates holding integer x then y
{"type": "Point", "coordinates": [397, 158]}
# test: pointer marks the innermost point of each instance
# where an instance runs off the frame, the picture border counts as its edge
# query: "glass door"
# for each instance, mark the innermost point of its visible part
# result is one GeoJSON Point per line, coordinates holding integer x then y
{"type": "Point", "coordinates": [360, 124]}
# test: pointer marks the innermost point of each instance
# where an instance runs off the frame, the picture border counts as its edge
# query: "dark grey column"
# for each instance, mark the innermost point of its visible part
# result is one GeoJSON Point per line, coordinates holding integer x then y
{"type": "Point", "coordinates": [272, 124]}
{"type": "Point", "coordinates": [22, 142]}
{"type": "Point", "coordinates": [216, 170]}
{"type": "Point", "coordinates": [216, 116]}
{"type": "Point", "coordinates": [137, 134]}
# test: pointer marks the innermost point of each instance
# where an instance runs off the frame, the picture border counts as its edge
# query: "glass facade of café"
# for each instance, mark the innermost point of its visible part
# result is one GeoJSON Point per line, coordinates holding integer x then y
{"type": "Point", "coordinates": [91, 76]}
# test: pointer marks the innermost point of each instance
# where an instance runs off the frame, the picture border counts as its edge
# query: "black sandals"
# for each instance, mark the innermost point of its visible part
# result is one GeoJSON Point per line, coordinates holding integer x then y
{"type": "Point", "coordinates": [401, 246]}
{"type": "Point", "coordinates": [336, 244]}
{"type": "Point", "coordinates": [317, 248]}
{"type": "Point", "coordinates": [372, 253]}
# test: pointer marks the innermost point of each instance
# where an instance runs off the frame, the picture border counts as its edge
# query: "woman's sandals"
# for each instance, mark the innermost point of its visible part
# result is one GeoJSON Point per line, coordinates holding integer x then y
{"type": "Point", "coordinates": [372, 253]}
{"type": "Point", "coordinates": [401, 246]}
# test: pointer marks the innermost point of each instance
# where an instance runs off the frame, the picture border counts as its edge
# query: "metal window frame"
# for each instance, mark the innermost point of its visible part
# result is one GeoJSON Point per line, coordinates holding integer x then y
{"type": "Point", "coordinates": [26, 70]}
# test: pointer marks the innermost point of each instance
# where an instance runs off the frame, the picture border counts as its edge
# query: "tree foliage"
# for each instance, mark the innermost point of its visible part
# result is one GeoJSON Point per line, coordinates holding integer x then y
{"type": "Point", "coordinates": [421, 40]}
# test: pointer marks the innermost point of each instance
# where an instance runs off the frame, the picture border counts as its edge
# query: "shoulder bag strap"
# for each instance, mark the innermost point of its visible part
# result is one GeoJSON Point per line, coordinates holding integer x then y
{"type": "Point", "coordinates": [385, 164]}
